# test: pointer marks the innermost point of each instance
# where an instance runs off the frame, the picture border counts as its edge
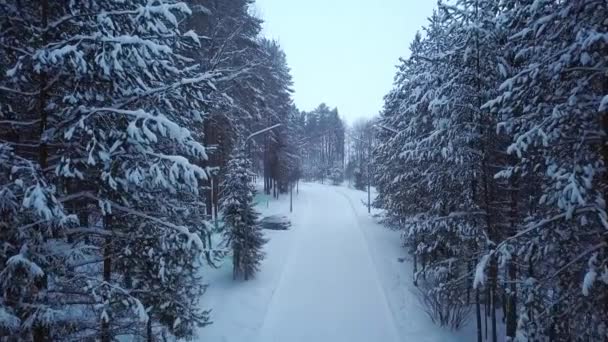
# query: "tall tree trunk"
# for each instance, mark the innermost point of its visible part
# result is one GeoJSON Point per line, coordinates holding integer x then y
{"type": "Point", "coordinates": [43, 149]}
{"type": "Point", "coordinates": [512, 299]}
{"type": "Point", "coordinates": [149, 330]}
{"type": "Point", "coordinates": [107, 275]}
{"type": "Point", "coordinates": [236, 260]}
{"type": "Point", "coordinates": [415, 260]}
{"type": "Point", "coordinates": [493, 281]}
{"type": "Point", "coordinates": [40, 332]}
{"type": "Point", "coordinates": [486, 312]}
{"type": "Point", "coordinates": [470, 284]}
{"type": "Point", "coordinates": [511, 315]}
{"type": "Point", "coordinates": [478, 315]}
{"type": "Point", "coordinates": [216, 201]}
{"type": "Point", "coordinates": [605, 180]}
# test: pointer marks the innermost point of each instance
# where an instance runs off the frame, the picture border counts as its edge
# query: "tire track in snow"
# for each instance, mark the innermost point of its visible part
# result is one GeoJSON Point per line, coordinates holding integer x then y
{"type": "Point", "coordinates": [373, 262]}
{"type": "Point", "coordinates": [329, 291]}
{"type": "Point", "coordinates": [296, 227]}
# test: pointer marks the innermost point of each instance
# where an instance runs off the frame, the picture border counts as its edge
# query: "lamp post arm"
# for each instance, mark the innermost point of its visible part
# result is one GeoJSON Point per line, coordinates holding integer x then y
{"type": "Point", "coordinates": [262, 131]}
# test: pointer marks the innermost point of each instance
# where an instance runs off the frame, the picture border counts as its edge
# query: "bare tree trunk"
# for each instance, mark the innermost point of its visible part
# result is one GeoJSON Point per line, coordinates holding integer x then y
{"type": "Point", "coordinates": [511, 303]}
{"type": "Point", "coordinates": [107, 276]}
{"type": "Point", "coordinates": [149, 330]}
{"type": "Point", "coordinates": [605, 180]}
{"type": "Point", "coordinates": [512, 299]}
{"type": "Point", "coordinates": [415, 260]}
{"type": "Point", "coordinates": [494, 268]}
{"type": "Point", "coordinates": [486, 314]}
{"type": "Point", "coordinates": [235, 265]}
{"type": "Point", "coordinates": [40, 332]}
{"type": "Point", "coordinates": [478, 315]}
{"type": "Point", "coordinates": [216, 204]}
{"type": "Point", "coordinates": [469, 271]}
{"type": "Point", "coordinates": [43, 149]}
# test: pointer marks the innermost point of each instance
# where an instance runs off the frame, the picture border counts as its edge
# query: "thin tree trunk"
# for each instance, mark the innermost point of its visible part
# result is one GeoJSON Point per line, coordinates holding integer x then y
{"type": "Point", "coordinates": [235, 265]}
{"type": "Point", "coordinates": [478, 315]}
{"type": "Point", "coordinates": [511, 312]}
{"type": "Point", "coordinates": [209, 201]}
{"type": "Point", "coordinates": [149, 330]}
{"type": "Point", "coordinates": [107, 276]}
{"type": "Point", "coordinates": [512, 299]}
{"type": "Point", "coordinates": [605, 159]}
{"type": "Point", "coordinates": [415, 261]}
{"type": "Point", "coordinates": [40, 332]}
{"type": "Point", "coordinates": [486, 314]}
{"type": "Point", "coordinates": [493, 299]}
{"type": "Point", "coordinates": [216, 201]}
{"type": "Point", "coordinates": [43, 150]}
{"type": "Point", "coordinates": [469, 270]}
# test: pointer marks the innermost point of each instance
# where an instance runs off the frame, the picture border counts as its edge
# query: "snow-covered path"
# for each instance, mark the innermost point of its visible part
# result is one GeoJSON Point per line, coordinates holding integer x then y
{"type": "Point", "coordinates": [336, 276]}
{"type": "Point", "coordinates": [329, 289]}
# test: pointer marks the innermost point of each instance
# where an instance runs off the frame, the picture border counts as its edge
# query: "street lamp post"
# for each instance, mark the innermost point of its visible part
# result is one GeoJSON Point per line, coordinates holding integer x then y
{"type": "Point", "coordinates": [262, 131]}
{"type": "Point", "coordinates": [369, 161]}
{"type": "Point", "coordinates": [255, 134]}
{"type": "Point", "coordinates": [386, 128]}
{"type": "Point", "coordinates": [291, 197]}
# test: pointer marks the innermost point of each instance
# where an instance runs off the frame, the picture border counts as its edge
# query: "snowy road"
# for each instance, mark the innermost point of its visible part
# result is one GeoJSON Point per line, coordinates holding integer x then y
{"type": "Point", "coordinates": [329, 289]}
{"type": "Point", "coordinates": [334, 277]}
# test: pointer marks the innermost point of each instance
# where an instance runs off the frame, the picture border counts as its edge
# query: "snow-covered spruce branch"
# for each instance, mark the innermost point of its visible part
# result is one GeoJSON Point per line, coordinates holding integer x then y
{"type": "Point", "coordinates": [192, 237]}
{"type": "Point", "coordinates": [204, 78]}
{"type": "Point", "coordinates": [481, 266]}
{"type": "Point", "coordinates": [141, 10]}
{"type": "Point", "coordinates": [18, 92]}
{"type": "Point", "coordinates": [164, 126]}
{"type": "Point", "coordinates": [579, 258]}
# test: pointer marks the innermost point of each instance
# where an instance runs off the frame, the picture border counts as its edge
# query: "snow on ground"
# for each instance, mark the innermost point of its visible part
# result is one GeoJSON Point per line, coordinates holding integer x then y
{"type": "Point", "coordinates": [334, 276]}
{"type": "Point", "coordinates": [396, 277]}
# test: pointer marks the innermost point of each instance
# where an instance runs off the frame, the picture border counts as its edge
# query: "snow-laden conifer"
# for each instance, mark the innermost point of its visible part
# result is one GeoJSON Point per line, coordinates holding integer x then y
{"type": "Point", "coordinates": [242, 231]}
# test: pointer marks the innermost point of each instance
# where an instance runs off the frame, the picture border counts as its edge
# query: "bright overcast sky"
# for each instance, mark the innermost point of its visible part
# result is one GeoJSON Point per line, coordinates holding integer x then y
{"type": "Point", "coordinates": [343, 52]}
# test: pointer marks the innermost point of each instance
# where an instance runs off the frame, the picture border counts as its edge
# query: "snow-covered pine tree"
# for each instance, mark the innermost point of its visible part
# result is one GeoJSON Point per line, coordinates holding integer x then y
{"type": "Point", "coordinates": [33, 252]}
{"type": "Point", "coordinates": [539, 221]}
{"type": "Point", "coordinates": [242, 231]}
{"type": "Point", "coordinates": [278, 106]}
{"type": "Point", "coordinates": [437, 185]}
{"type": "Point", "coordinates": [324, 137]}
{"type": "Point", "coordinates": [554, 104]}
{"type": "Point", "coordinates": [229, 33]}
{"type": "Point", "coordinates": [472, 80]}
{"type": "Point", "coordinates": [389, 130]}
{"type": "Point", "coordinates": [336, 175]}
{"type": "Point", "coordinates": [110, 91]}
{"type": "Point", "coordinates": [438, 145]}
{"type": "Point", "coordinates": [290, 150]}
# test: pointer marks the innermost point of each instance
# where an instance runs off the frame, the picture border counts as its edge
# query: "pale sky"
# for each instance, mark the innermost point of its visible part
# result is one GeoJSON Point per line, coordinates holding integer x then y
{"type": "Point", "coordinates": [343, 52]}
